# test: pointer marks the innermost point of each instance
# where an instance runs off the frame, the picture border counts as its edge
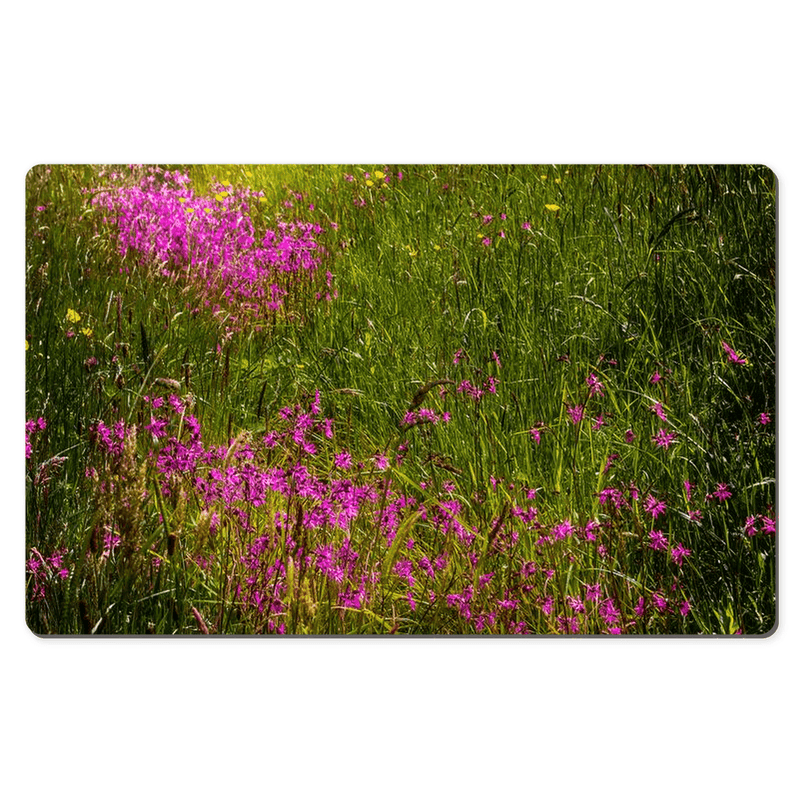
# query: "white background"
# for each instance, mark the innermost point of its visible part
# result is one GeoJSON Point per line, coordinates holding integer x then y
{"type": "Point", "coordinates": [614, 82]}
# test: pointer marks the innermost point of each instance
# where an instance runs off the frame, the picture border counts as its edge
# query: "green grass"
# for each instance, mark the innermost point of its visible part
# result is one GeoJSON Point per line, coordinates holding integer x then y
{"type": "Point", "coordinates": [619, 272]}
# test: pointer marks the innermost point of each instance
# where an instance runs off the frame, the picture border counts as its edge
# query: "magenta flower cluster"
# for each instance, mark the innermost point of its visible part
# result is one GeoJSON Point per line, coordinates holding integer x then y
{"type": "Point", "coordinates": [212, 245]}
{"type": "Point", "coordinates": [32, 427]}
{"type": "Point", "coordinates": [44, 569]}
{"type": "Point", "coordinates": [319, 499]}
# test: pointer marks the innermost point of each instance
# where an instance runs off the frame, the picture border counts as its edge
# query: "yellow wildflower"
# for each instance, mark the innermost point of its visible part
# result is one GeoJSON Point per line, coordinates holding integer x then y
{"type": "Point", "coordinates": [72, 315]}
{"type": "Point", "coordinates": [370, 183]}
{"type": "Point", "coordinates": [87, 331]}
{"type": "Point", "coordinates": [553, 207]}
{"type": "Point", "coordinates": [379, 175]}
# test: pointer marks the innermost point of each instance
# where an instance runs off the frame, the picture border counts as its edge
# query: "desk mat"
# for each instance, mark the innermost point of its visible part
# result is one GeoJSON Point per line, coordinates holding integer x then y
{"type": "Point", "coordinates": [416, 400]}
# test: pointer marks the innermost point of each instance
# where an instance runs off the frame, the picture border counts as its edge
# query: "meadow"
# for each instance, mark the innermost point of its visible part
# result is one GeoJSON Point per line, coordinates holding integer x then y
{"type": "Point", "coordinates": [401, 399]}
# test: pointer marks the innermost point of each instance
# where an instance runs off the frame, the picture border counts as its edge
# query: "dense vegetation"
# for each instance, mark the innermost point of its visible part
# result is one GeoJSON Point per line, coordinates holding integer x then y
{"type": "Point", "coordinates": [400, 399]}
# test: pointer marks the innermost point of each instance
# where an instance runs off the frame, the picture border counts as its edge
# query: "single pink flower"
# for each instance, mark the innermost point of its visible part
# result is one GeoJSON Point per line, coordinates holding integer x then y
{"type": "Point", "coordinates": [342, 460]}
{"type": "Point", "coordinates": [722, 492]}
{"type": "Point", "coordinates": [664, 439]}
{"type": "Point", "coordinates": [678, 553]}
{"type": "Point", "coordinates": [654, 507]}
{"type": "Point", "coordinates": [595, 386]}
{"type": "Point", "coordinates": [658, 541]}
{"type": "Point", "coordinates": [575, 413]}
{"type": "Point", "coordinates": [733, 356]}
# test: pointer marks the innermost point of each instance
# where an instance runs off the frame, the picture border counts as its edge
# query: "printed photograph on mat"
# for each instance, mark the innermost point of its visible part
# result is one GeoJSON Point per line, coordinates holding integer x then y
{"type": "Point", "coordinates": [412, 400]}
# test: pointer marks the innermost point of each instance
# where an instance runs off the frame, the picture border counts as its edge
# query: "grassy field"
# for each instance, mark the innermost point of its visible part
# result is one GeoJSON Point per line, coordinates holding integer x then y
{"type": "Point", "coordinates": [400, 399]}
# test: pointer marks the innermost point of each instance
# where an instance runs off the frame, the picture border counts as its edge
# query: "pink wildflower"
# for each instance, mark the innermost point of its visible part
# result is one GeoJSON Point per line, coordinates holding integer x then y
{"type": "Point", "coordinates": [733, 356]}
{"type": "Point", "coordinates": [638, 609]}
{"type": "Point", "coordinates": [589, 530]}
{"type": "Point", "coordinates": [664, 439]}
{"type": "Point", "coordinates": [598, 422]}
{"type": "Point", "coordinates": [563, 529]}
{"type": "Point", "coordinates": [610, 462]}
{"type": "Point", "coordinates": [659, 602]}
{"type": "Point", "coordinates": [658, 541]}
{"type": "Point", "coordinates": [678, 553]}
{"type": "Point", "coordinates": [722, 492]}
{"type": "Point", "coordinates": [768, 524]}
{"type": "Point", "coordinates": [575, 413]}
{"type": "Point", "coordinates": [654, 507]}
{"type": "Point", "coordinates": [342, 460]}
{"type": "Point", "coordinates": [592, 592]}
{"type": "Point", "coordinates": [536, 432]}
{"type": "Point", "coordinates": [609, 611]}
{"type": "Point", "coordinates": [595, 386]}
